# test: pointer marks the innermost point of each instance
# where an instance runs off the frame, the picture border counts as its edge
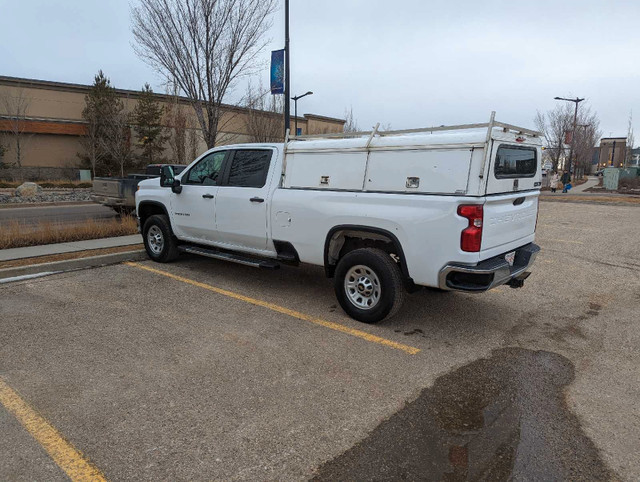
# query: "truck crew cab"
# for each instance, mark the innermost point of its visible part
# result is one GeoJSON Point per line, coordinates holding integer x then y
{"type": "Point", "coordinates": [453, 208]}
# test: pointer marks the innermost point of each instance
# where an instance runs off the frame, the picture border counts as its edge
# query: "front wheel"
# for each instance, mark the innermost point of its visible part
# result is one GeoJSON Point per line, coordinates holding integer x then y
{"type": "Point", "coordinates": [368, 285]}
{"type": "Point", "coordinates": [159, 241]}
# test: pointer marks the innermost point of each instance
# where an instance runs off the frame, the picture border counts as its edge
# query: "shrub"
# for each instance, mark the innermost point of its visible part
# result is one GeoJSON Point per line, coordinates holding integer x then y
{"type": "Point", "coordinates": [629, 183]}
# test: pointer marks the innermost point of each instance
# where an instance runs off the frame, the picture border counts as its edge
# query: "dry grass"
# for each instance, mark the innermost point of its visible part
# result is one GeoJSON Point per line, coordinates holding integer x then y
{"type": "Point", "coordinates": [604, 199]}
{"type": "Point", "coordinates": [17, 235]}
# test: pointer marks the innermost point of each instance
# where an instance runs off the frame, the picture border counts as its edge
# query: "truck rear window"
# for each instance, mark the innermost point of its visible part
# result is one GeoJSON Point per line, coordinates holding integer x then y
{"type": "Point", "coordinates": [515, 161]}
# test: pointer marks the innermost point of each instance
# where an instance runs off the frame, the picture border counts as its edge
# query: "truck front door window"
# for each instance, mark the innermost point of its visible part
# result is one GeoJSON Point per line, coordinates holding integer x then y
{"type": "Point", "coordinates": [207, 170]}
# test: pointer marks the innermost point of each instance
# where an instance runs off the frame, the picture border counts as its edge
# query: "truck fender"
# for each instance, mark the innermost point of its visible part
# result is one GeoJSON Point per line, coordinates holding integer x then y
{"type": "Point", "coordinates": [149, 208]}
{"type": "Point", "coordinates": [333, 243]}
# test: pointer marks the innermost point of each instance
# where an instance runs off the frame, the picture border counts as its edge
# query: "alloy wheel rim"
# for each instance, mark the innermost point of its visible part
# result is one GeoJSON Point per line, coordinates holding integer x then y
{"type": "Point", "coordinates": [362, 287]}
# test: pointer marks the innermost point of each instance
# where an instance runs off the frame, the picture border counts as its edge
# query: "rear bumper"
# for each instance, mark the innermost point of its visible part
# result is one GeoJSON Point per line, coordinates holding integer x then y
{"type": "Point", "coordinates": [488, 273]}
{"type": "Point", "coordinates": [108, 200]}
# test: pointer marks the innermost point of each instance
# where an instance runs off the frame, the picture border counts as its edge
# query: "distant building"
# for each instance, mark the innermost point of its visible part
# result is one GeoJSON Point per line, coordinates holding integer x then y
{"type": "Point", "coordinates": [635, 157]}
{"type": "Point", "coordinates": [612, 151]}
{"type": "Point", "coordinates": [54, 125]}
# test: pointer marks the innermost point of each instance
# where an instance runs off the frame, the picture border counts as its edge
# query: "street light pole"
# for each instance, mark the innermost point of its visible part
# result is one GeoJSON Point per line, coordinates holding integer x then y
{"type": "Point", "coordinates": [295, 108]}
{"type": "Point", "coordinates": [287, 70]}
{"type": "Point", "coordinates": [577, 100]}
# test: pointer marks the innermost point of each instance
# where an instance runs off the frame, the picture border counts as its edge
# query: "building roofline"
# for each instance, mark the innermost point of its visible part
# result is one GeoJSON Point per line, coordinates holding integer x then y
{"type": "Point", "coordinates": [323, 117]}
{"type": "Point", "coordinates": [84, 88]}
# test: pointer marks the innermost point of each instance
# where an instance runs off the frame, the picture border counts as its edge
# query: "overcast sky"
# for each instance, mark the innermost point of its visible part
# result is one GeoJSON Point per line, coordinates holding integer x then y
{"type": "Point", "coordinates": [410, 63]}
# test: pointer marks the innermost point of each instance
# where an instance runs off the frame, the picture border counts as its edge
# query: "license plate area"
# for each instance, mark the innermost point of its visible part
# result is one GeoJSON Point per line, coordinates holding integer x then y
{"type": "Point", "coordinates": [510, 257]}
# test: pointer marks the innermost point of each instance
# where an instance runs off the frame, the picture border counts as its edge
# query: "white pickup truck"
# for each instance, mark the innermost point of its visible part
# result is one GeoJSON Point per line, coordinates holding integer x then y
{"type": "Point", "coordinates": [452, 208]}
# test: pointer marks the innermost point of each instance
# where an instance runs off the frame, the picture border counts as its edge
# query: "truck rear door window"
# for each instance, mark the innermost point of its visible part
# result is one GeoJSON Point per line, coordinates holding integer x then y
{"type": "Point", "coordinates": [515, 161]}
{"type": "Point", "coordinates": [249, 168]}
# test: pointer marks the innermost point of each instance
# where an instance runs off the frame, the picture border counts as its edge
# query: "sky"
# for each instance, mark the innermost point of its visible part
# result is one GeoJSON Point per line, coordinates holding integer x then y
{"type": "Point", "coordinates": [408, 63]}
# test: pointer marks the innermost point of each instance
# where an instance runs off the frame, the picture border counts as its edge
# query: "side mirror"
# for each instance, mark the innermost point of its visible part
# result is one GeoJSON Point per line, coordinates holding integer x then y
{"type": "Point", "coordinates": [166, 176]}
{"type": "Point", "coordinates": [176, 187]}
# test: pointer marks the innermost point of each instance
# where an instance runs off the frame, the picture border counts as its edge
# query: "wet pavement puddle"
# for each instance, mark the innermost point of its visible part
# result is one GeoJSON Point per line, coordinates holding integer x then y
{"type": "Point", "coordinates": [500, 418]}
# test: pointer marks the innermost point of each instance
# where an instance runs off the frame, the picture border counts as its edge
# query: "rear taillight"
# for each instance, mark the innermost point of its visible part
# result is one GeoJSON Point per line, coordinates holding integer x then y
{"type": "Point", "coordinates": [471, 237]}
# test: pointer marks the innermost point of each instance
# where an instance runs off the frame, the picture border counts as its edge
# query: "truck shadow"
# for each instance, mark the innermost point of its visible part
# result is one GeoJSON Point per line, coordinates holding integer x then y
{"type": "Point", "coordinates": [307, 289]}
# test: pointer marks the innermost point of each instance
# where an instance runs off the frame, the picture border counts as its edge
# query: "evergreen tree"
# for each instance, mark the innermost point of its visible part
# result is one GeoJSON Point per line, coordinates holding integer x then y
{"type": "Point", "coordinates": [147, 118]}
{"type": "Point", "coordinates": [103, 112]}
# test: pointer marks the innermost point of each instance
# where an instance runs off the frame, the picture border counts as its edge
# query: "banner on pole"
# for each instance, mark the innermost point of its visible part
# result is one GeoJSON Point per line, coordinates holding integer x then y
{"type": "Point", "coordinates": [277, 71]}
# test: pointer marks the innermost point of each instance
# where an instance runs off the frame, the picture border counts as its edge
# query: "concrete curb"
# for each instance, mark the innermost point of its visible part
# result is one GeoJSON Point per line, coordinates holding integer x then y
{"type": "Point", "coordinates": [72, 264]}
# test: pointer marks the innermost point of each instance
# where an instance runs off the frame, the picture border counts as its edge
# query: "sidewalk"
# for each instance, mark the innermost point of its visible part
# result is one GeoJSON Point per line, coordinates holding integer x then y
{"type": "Point", "coordinates": [49, 249]}
{"type": "Point", "coordinates": [591, 182]}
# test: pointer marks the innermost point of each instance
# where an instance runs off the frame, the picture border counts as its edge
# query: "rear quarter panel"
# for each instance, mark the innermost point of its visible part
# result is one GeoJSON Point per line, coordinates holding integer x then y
{"type": "Point", "coordinates": [427, 227]}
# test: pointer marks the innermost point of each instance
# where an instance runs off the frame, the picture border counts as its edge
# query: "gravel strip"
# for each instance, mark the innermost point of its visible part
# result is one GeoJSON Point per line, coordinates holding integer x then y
{"type": "Point", "coordinates": [49, 196]}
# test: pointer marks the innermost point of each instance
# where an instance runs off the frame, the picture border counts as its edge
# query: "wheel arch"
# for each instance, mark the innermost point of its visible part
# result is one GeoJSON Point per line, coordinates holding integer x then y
{"type": "Point", "coordinates": [149, 208]}
{"type": "Point", "coordinates": [337, 236]}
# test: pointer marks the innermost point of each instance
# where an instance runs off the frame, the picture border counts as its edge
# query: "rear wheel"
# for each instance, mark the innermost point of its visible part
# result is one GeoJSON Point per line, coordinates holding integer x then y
{"type": "Point", "coordinates": [368, 285]}
{"type": "Point", "coordinates": [159, 241]}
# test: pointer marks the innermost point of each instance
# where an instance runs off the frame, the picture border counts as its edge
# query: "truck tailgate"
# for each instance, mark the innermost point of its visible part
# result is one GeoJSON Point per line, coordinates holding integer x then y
{"type": "Point", "coordinates": [109, 187]}
{"type": "Point", "coordinates": [509, 218]}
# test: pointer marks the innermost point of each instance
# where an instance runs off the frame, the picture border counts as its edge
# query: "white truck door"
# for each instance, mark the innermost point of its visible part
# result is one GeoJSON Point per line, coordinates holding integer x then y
{"type": "Point", "coordinates": [243, 198]}
{"type": "Point", "coordinates": [193, 210]}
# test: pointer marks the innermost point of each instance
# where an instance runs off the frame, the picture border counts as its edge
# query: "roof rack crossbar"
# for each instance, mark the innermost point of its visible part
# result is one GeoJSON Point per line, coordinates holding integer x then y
{"type": "Point", "coordinates": [485, 125]}
{"type": "Point", "coordinates": [521, 130]}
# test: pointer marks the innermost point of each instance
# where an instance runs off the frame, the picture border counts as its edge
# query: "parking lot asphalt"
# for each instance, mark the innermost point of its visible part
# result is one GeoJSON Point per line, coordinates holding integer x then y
{"type": "Point", "coordinates": [202, 369]}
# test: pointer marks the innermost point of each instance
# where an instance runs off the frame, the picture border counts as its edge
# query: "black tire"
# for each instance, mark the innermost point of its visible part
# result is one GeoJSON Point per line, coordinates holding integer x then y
{"type": "Point", "coordinates": [385, 269]}
{"type": "Point", "coordinates": [165, 251]}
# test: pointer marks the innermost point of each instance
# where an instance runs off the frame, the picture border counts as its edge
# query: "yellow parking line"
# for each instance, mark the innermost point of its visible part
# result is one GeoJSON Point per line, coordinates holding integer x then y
{"type": "Point", "coordinates": [281, 309]}
{"type": "Point", "coordinates": [63, 453]}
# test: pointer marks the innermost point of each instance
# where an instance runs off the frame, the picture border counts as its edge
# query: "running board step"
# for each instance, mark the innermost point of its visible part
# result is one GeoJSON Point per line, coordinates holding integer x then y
{"type": "Point", "coordinates": [233, 257]}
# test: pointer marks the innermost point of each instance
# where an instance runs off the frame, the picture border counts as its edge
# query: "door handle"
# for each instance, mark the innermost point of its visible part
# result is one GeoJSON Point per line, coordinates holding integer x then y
{"type": "Point", "coordinates": [256, 200]}
{"type": "Point", "coordinates": [207, 196]}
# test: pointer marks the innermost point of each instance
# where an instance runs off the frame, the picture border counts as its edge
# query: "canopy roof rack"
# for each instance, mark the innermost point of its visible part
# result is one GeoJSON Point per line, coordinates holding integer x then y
{"type": "Point", "coordinates": [488, 125]}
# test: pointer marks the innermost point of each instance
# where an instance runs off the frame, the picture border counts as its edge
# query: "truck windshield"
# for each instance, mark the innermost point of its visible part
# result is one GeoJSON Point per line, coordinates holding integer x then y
{"type": "Point", "coordinates": [515, 161]}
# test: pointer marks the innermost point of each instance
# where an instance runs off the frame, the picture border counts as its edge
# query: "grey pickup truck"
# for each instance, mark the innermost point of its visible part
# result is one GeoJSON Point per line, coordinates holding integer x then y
{"type": "Point", "coordinates": [119, 193]}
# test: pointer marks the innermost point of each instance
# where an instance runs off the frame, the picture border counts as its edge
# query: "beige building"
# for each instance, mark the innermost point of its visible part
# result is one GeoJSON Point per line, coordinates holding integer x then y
{"type": "Point", "coordinates": [49, 118]}
{"type": "Point", "coordinates": [612, 152]}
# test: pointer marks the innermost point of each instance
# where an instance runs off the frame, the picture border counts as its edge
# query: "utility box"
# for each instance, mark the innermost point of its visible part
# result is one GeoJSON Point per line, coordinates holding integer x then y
{"type": "Point", "coordinates": [610, 178]}
{"type": "Point", "coordinates": [85, 175]}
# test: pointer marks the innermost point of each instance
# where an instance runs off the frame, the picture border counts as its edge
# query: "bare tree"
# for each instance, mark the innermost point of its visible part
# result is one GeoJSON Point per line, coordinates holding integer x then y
{"type": "Point", "coordinates": [351, 124]}
{"type": "Point", "coordinates": [193, 143]}
{"type": "Point", "coordinates": [264, 120]}
{"type": "Point", "coordinates": [91, 145]}
{"type": "Point", "coordinates": [204, 46]}
{"type": "Point", "coordinates": [176, 122]}
{"type": "Point", "coordinates": [587, 135]}
{"type": "Point", "coordinates": [630, 141]}
{"type": "Point", "coordinates": [554, 126]}
{"type": "Point", "coordinates": [557, 128]}
{"type": "Point", "coordinates": [14, 107]}
{"type": "Point", "coordinates": [116, 141]}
